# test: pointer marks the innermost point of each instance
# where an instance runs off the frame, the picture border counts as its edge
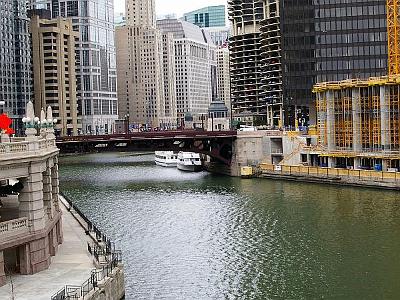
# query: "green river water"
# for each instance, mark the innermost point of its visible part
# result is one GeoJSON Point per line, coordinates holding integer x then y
{"type": "Point", "coordinates": [204, 236]}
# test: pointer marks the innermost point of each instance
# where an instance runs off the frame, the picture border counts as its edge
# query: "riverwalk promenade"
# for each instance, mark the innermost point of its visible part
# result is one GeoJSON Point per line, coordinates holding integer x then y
{"type": "Point", "coordinates": [72, 265]}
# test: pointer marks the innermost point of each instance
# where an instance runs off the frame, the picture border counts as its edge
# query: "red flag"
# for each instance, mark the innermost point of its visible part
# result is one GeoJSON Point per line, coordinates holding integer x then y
{"type": "Point", "coordinates": [5, 122]}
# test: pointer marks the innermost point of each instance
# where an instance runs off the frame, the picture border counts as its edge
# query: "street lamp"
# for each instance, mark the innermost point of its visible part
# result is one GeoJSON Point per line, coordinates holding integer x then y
{"type": "Point", "coordinates": [126, 117]}
{"type": "Point", "coordinates": [2, 103]}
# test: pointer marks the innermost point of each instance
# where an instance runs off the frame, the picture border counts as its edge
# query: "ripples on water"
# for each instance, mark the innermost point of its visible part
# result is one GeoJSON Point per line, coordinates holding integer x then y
{"type": "Point", "coordinates": [202, 236]}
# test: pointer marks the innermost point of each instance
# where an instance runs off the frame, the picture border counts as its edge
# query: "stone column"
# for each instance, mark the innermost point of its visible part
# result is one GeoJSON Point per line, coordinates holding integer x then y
{"type": "Point", "coordinates": [30, 199]}
{"type": "Point", "coordinates": [55, 196]}
{"type": "Point", "coordinates": [48, 193]}
{"type": "Point", "coordinates": [55, 186]}
{"type": "Point", "coordinates": [2, 273]}
{"type": "Point", "coordinates": [330, 121]}
{"type": "Point", "coordinates": [34, 256]}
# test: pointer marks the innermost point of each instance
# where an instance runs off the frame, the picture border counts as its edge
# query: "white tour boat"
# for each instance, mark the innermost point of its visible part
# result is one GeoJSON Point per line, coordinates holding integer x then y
{"type": "Point", "coordinates": [189, 161]}
{"type": "Point", "coordinates": [166, 158]}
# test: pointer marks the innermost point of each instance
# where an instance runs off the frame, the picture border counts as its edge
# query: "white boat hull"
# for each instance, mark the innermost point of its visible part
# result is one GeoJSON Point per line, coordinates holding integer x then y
{"type": "Point", "coordinates": [189, 168]}
{"type": "Point", "coordinates": [166, 164]}
{"type": "Point", "coordinates": [189, 162]}
{"type": "Point", "coordinates": [166, 159]}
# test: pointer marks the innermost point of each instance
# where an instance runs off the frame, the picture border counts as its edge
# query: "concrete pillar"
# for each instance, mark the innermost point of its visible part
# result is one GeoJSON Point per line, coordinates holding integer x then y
{"type": "Point", "coordinates": [385, 165]}
{"type": "Point", "coordinates": [330, 120]}
{"type": "Point", "coordinates": [356, 109]}
{"type": "Point", "coordinates": [357, 163]}
{"type": "Point", "coordinates": [331, 162]}
{"type": "Point", "coordinates": [47, 193]}
{"type": "Point", "coordinates": [385, 117]}
{"type": "Point", "coordinates": [321, 117]}
{"type": "Point", "coordinates": [313, 115]}
{"type": "Point", "coordinates": [2, 272]}
{"type": "Point", "coordinates": [31, 200]}
{"type": "Point", "coordinates": [55, 186]}
{"type": "Point", "coordinates": [281, 120]}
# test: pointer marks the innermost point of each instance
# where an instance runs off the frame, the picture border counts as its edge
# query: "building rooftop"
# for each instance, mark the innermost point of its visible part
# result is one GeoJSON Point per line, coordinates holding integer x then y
{"type": "Point", "coordinates": [184, 30]}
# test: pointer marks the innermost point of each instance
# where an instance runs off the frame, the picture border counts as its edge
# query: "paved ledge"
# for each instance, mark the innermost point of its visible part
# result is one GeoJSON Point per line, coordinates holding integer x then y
{"type": "Point", "coordinates": [332, 180]}
{"type": "Point", "coordinates": [72, 265]}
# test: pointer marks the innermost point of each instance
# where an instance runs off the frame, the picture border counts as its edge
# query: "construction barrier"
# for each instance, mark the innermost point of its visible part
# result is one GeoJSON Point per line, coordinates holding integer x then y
{"type": "Point", "coordinates": [363, 175]}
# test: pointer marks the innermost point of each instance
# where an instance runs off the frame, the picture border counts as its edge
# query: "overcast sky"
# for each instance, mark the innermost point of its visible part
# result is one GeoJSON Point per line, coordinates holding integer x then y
{"type": "Point", "coordinates": [173, 6]}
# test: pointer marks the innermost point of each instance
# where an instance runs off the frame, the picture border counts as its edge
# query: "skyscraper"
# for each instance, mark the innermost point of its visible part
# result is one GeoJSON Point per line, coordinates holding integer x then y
{"type": "Point", "coordinates": [96, 74]}
{"type": "Point", "coordinates": [318, 41]}
{"type": "Point", "coordinates": [140, 60]}
{"type": "Point", "coordinates": [210, 16]}
{"type": "Point", "coordinates": [15, 60]}
{"type": "Point", "coordinates": [223, 76]}
{"type": "Point", "coordinates": [248, 103]}
{"type": "Point", "coordinates": [195, 60]}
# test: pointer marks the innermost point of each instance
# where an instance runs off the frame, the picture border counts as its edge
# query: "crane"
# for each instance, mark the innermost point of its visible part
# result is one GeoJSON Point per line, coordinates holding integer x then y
{"type": "Point", "coordinates": [393, 29]}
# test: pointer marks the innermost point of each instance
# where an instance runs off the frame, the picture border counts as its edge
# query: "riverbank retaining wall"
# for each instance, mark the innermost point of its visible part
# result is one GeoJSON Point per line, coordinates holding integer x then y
{"type": "Point", "coordinates": [111, 288]}
{"type": "Point", "coordinates": [387, 180]}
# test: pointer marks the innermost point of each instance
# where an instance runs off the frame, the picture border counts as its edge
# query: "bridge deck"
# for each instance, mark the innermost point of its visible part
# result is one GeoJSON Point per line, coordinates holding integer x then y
{"type": "Point", "coordinates": [186, 134]}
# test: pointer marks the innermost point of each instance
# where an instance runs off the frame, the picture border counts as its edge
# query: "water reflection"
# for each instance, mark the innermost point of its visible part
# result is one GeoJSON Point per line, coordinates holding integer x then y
{"type": "Point", "coordinates": [200, 236]}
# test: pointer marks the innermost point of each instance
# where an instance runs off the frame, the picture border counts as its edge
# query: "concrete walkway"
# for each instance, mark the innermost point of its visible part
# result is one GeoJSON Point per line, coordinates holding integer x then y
{"type": "Point", "coordinates": [71, 266]}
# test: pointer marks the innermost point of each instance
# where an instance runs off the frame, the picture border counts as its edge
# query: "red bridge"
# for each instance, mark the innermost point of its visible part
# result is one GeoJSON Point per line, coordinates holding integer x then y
{"type": "Point", "coordinates": [216, 144]}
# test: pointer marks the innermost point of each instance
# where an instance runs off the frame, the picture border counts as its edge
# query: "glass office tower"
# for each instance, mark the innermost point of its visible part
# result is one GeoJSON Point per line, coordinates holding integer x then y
{"type": "Point", "coordinates": [210, 16]}
{"type": "Point", "coordinates": [15, 61]}
{"type": "Point", "coordinates": [310, 41]}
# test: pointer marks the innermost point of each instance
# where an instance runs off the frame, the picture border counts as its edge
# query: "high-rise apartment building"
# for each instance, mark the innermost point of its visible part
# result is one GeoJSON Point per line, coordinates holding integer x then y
{"type": "Point", "coordinates": [144, 62]}
{"type": "Point", "coordinates": [195, 61]}
{"type": "Point", "coordinates": [223, 77]}
{"type": "Point", "coordinates": [210, 16]}
{"type": "Point", "coordinates": [15, 60]}
{"type": "Point", "coordinates": [54, 69]}
{"type": "Point", "coordinates": [248, 102]}
{"type": "Point", "coordinates": [96, 73]}
{"type": "Point", "coordinates": [308, 42]}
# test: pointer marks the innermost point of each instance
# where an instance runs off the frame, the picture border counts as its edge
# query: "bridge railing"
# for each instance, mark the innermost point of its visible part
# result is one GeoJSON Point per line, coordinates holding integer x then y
{"type": "Point", "coordinates": [150, 134]}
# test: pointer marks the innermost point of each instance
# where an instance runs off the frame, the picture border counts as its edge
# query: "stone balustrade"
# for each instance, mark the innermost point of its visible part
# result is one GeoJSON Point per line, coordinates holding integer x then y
{"type": "Point", "coordinates": [14, 227]}
{"type": "Point", "coordinates": [20, 146]}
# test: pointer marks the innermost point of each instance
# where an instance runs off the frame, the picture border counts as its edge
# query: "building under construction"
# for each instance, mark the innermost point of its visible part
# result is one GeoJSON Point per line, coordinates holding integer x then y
{"type": "Point", "coordinates": [305, 42]}
{"type": "Point", "coordinates": [359, 123]}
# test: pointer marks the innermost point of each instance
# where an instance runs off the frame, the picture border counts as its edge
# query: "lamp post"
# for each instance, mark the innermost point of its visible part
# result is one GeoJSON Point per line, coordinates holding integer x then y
{"type": "Point", "coordinates": [2, 103]}
{"type": "Point", "coordinates": [126, 117]}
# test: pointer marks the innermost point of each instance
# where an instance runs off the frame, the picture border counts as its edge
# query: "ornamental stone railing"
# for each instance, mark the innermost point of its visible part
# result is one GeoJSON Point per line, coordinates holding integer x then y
{"type": "Point", "coordinates": [14, 227]}
{"type": "Point", "coordinates": [17, 147]}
